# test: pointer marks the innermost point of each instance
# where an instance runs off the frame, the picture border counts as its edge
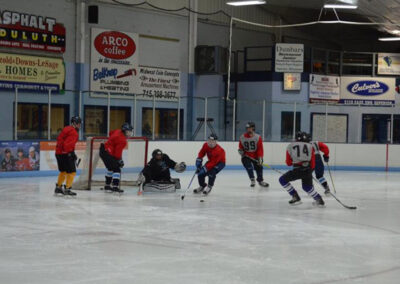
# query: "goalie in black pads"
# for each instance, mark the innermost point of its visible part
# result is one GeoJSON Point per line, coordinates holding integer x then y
{"type": "Point", "coordinates": [156, 175]}
{"type": "Point", "coordinates": [301, 156]}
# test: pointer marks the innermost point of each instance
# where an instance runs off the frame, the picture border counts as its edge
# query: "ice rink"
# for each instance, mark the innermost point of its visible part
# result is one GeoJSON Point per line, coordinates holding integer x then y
{"type": "Point", "coordinates": [238, 235]}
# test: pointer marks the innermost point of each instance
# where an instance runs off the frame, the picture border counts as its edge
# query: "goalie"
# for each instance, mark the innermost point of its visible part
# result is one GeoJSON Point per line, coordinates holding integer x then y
{"type": "Point", "coordinates": [156, 176]}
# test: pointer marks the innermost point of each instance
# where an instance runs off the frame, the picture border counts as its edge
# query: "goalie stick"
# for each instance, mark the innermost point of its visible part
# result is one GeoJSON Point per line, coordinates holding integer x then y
{"type": "Point", "coordinates": [278, 171]}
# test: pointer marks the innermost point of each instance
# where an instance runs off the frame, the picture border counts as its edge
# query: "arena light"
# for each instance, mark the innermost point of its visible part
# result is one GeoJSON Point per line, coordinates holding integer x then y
{"type": "Point", "coordinates": [246, 3]}
{"type": "Point", "coordinates": [340, 6]}
{"type": "Point", "coordinates": [393, 38]}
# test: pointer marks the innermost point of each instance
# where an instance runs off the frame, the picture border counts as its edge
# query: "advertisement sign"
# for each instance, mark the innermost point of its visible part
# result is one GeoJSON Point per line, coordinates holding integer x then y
{"type": "Point", "coordinates": [289, 57]}
{"type": "Point", "coordinates": [291, 81]}
{"type": "Point", "coordinates": [114, 61]}
{"type": "Point", "coordinates": [27, 31]}
{"type": "Point", "coordinates": [19, 156]}
{"type": "Point", "coordinates": [31, 73]}
{"type": "Point", "coordinates": [389, 63]}
{"type": "Point", "coordinates": [165, 84]}
{"type": "Point", "coordinates": [373, 91]}
{"type": "Point", "coordinates": [48, 160]}
{"type": "Point", "coordinates": [324, 88]}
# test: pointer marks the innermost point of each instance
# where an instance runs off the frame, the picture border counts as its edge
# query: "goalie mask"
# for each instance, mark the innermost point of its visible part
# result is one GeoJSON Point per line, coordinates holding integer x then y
{"type": "Point", "coordinates": [157, 154]}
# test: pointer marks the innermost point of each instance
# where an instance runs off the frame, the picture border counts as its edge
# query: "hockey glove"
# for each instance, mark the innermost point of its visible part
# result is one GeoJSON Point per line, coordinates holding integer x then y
{"type": "Point", "coordinates": [199, 163]}
{"type": "Point", "coordinates": [326, 159]}
{"type": "Point", "coordinates": [202, 171]}
{"type": "Point", "coordinates": [73, 156]}
{"type": "Point", "coordinates": [260, 161]}
{"type": "Point", "coordinates": [121, 163]}
{"type": "Point", "coordinates": [180, 168]}
{"type": "Point", "coordinates": [241, 152]}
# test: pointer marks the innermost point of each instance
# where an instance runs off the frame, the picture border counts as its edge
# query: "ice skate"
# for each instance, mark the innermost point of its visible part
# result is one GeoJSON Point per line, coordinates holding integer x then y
{"type": "Point", "coordinates": [67, 191]}
{"type": "Point", "coordinates": [199, 189]}
{"type": "Point", "coordinates": [295, 199]}
{"type": "Point", "coordinates": [263, 184]}
{"type": "Point", "coordinates": [319, 202]}
{"type": "Point", "coordinates": [207, 190]}
{"type": "Point", "coordinates": [59, 190]}
{"type": "Point", "coordinates": [253, 182]}
{"type": "Point", "coordinates": [116, 189]}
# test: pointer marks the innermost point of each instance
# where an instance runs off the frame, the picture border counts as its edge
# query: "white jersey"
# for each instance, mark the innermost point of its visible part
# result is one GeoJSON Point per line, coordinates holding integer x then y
{"type": "Point", "coordinates": [250, 144]}
{"type": "Point", "coordinates": [300, 152]}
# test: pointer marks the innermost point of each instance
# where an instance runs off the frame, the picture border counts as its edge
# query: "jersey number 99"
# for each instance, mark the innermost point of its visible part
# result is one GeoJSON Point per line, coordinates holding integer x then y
{"type": "Point", "coordinates": [249, 146]}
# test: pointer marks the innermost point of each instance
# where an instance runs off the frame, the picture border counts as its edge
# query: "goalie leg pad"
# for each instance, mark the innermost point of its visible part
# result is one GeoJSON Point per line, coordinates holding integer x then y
{"type": "Point", "coordinates": [159, 187]}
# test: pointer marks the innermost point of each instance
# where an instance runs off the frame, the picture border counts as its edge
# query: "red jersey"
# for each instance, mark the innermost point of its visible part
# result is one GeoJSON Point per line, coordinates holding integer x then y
{"type": "Point", "coordinates": [215, 155]}
{"type": "Point", "coordinates": [66, 140]}
{"type": "Point", "coordinates": [116, 143]}
{"type": "Point", "coordinates": [252, 145]}
{"type": "Point", "coordinates": [23, 165]}
{"type": "Point", "coordinates": [320, 147]}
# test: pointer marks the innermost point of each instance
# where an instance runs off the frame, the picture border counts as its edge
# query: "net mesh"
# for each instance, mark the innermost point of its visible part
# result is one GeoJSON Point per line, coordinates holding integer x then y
{"type": "Point", "coordinates": [93, 170]}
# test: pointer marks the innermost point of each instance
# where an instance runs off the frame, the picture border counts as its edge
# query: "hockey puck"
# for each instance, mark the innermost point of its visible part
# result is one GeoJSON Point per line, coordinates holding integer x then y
{"type": "Point", "coordinates": [201, 200]}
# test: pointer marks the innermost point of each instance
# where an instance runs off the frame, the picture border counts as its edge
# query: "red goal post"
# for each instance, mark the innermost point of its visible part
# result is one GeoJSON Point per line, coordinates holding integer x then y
{"type": "Point", "coordinates": [93, 169]}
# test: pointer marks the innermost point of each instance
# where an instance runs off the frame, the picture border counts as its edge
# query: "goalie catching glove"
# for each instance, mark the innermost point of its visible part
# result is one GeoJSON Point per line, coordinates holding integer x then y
{"type": "Point", "coordinates": [180, 168]}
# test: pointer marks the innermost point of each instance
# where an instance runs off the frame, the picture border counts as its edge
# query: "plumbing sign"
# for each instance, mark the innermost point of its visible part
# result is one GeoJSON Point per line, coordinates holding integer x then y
{"type": "Point", "coordinates": [373, 91]}
{"type": "Point", "coordinates": [114, 62]}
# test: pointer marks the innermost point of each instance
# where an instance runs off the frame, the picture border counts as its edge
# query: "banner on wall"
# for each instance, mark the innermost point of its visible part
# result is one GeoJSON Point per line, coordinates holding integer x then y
{"type": "Point", "coordinates": [31, 73]}
{"type": "Point", "coordinates": [164, 84]}
{"type": "Point", "coordinates": [372, 91]}
{"type": "Point", "coordinates": [114, 61]}
{"type": "Point", "coordinates": [389, 63]}
{"type": "Point", "coordinates": [292, 81]}
{"type": "Point", "coordinates": [324, 88]}
{"type": "Point", "coordinates": [19, 156]}
{"type": "Point", "coordinates": [289, 57]}
{"type": "Point", "coordinates": [48, 160]}
{"type": "Point", "coordinates": [28, 31]}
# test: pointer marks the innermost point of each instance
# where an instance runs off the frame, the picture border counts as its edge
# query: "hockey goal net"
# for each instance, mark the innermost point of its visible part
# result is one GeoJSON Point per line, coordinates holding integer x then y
{"type": "Point", "coordinates": [93, 170]}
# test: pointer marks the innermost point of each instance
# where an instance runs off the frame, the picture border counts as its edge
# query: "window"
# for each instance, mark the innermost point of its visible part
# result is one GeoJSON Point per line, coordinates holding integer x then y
{"type": "Point", "coordinates": [95, 119]}
{"type": "Point", "coordinates": [33, 120]}
{"type": "Point", "coordinates": [166, 121]}
{"type": "Point", "coordinates": [375, 128]}
{"type": "Point", "coordinates": [287, 125]}
{"type": "Point", "coordinates": [336, 127]}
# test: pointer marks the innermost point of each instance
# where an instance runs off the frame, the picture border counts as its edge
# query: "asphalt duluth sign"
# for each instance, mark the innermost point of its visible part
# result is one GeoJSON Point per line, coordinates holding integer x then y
{"type": "Point", "coordinates": [27, 31]}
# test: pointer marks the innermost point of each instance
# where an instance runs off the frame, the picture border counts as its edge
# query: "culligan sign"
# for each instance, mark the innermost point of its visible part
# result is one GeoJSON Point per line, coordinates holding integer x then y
{"type": "Point", "coordinates": [114, 62]}
{"type": "Point", "coordinates": [367, 91]}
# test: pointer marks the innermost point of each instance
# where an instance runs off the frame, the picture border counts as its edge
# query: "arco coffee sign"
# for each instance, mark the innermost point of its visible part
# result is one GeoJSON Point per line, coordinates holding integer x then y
{"type": "Point", "coordinates": [27, 31]}
{"type": "Point", "coordinates": [367, 91]}
{"type": "Point", "coordinates": [114, 61]}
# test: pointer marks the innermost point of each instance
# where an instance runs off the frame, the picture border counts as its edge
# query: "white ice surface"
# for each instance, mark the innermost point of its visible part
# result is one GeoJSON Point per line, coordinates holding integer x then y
{"type": "Point", "coordinates": [238, 235]}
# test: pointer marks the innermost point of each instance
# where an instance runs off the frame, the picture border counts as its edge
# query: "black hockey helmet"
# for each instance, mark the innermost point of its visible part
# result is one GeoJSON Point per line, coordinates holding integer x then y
{"type": "Point", "coordinates": [76, 120]}
{"type": "Point", "coordinates": [126, 127]}
{"type": "Point", "coordinates": [156, 152]}
{"type": "Point", "coordinates": [20, 150]}
{"type": "Point", "coordinates": [251, 124]}
{"type": "Point", "coordinates": [7, 150]}
{"type": "Point", "coordinates": [213, 136]}
{"type": "Point", "coordinates": [308, 137]}
{"type": "Point", "coordinates": [301, 136]}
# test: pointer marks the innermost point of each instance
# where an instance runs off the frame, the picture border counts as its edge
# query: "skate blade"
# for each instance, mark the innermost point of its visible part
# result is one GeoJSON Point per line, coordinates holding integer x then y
{"type": "Point", "coordinates": [318, 205]}
{"type": "Point", "coordinates": [295, 204]}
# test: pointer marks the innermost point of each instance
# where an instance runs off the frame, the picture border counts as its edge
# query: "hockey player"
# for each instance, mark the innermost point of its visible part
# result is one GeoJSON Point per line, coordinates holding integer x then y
{"type": "Point", "coordinates": [8, 162]}
{"type": "Point", "coordinates": [252, 152]}
{"type": "Point", "coordinates": [216, 162]}
{"type": "Point", "coordinates": [319, 165]}
{"type": "Point", "coordinates": [111, 155]}
{"type": "Point", "coordinates": [156, 174]}
{"type": "Point", "coordinates": [22, 163]}
{"type": "Point", "coordinates": [301, 156]}
{"type": "Point", "coordinates": [66, 157]}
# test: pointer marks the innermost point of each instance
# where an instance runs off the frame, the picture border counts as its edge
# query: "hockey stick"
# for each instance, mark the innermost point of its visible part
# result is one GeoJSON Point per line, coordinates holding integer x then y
{"type": "Point", "coordinates": [337, 199]}
{"type": "Point", "coordinates": [190, 183]}
{"type": "Point", "coordinates": [333, 184]}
